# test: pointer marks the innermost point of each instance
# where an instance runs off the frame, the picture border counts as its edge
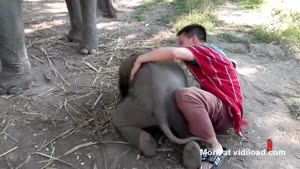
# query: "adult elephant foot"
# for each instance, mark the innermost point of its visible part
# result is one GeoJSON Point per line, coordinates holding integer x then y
{"type": "Point", "coordinates": [89, 47]}
{"type": "Point", "coordinates": [12, 83]}
{"type": "Point", "coordinates": [74, 35]}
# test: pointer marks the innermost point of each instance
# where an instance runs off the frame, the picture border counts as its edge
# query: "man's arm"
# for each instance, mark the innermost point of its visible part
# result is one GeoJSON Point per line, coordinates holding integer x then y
{"type": "Point", "coordinates": [162, 54]}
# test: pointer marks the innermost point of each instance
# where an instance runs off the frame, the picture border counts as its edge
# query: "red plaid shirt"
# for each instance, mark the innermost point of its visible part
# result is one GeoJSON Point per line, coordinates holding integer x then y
{"type": "Point", "coordinates": [217, 75]}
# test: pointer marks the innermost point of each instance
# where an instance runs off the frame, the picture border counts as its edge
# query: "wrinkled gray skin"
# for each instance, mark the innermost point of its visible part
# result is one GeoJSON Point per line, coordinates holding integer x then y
{"type": "Point", "coordinates": [15, 73]}
{"type": "Point", "coordinates": [148, 101]}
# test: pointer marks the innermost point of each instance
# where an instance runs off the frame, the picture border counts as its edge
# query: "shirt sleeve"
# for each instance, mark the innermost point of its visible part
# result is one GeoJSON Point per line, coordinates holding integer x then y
{"type": "Point", "coordinates": [218, 50]}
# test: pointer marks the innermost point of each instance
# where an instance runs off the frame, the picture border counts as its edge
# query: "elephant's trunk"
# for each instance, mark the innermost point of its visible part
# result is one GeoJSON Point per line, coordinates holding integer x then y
{"type": "Point", "coordinates": [166, 129]}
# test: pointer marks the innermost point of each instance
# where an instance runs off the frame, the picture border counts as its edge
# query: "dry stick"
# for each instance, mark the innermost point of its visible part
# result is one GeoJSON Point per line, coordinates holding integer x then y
{"type": "Point", "coordinates": [50, 161]}
{"type": "Point", "coordinates": [73, 108]}
{"type": "Point", "coordinates": [11, 137]}
{"type": "Point", "coordinates": [25, 161]}
{"type": "Point", "coordinates": [114, 142]}
{"type": "Point", "coordinates": [70, 151]}
{"type": "Point", "coordinates": [8, 163]}
{"type": "Point", "coordinates": [99, 70]}
{"type": "Point", "coordinates": [43, 93]}
{"type": "Point", "coordinates": [97, 100]}
{"type": "Point", "coordinates": [52, 152]}
{"type": "Point", "coordinates": [67, 65]}
{"type": "Point", "coordinates": [34, 57]}
{"type": "Point", "coordinates": [97, 77]}
{"type": "Point", "coordinates": [117, 31]}
{"type": "Point", "coordinates": [65, 106]}
{"type": "Point", "coordinates": [110, 59]}
{"type": "Point", "coordinates": [60, 86]}
{"type": "Point", "coordinates": [80, 146]}
{"type": "Point", "coordinates": [113, 53]}
{"type": "Point", "coordinates": [91, 66]}
{"type": "Point", "coordinates": [49, 61]}
{"type": "Point", "coordinates": [9, 151]}
{"type": "Point", "coordinates": [5, 128]}
{"type": "Point", "coordinates": [80, 96]}
{"type": "Point", "coordinates": [79, 127]}
{"type": "Point", "coordinates": [7, 125]}
{"type": "Point", "coordinates": [55, 158]}
{"type": "Point", "coordinates": [100, 127]}
{"type": "Point", "coordinates": [52, 140]}
{"type": "Point", "coordinates": [53, 68]}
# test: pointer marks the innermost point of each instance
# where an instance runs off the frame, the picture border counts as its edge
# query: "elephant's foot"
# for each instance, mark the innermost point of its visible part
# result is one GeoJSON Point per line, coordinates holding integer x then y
{"type": "Point", "coordinates": [89, 42]}
{"type": "Point", "coordinates": [88, 48]}
{"type": "Point", "coordinates": [74, 35]}
{"type": "Point", "coordinates": [11, 83]}
{"type": "Point", "coordinates": [147, 144]}
{"type": "Point", "coordinates": [192, 155]}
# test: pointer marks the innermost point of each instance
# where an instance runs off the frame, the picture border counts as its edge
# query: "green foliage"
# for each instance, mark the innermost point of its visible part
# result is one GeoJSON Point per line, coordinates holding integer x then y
{"type": "Point", "coordinates": [139, 14]}
{"type": "Point", "coordinates": [196, 11]}
{"type": "Point", "coordinates": [251, 4]}
{"type": "Point", "coordinates": [286, 29]}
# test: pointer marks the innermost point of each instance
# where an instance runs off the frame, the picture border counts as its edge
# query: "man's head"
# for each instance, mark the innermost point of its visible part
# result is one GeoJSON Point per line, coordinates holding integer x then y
{"type": "Point", "coordinates": [190, 35]}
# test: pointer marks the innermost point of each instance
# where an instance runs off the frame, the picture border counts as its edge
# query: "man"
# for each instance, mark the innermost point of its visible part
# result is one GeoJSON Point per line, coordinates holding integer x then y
{"type": "Point", "coordinates": [217, 106]}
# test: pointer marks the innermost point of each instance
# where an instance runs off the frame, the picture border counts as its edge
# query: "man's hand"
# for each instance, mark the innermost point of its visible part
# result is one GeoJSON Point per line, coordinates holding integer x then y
{"type": "Point", "coordinates": [161, 54]}
{"type": "Point", "coordinates": [137, 64]}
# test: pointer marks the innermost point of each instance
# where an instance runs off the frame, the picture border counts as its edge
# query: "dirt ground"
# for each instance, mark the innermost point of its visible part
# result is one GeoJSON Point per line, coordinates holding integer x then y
{"type": "Point", "coordinates": [64, 122]}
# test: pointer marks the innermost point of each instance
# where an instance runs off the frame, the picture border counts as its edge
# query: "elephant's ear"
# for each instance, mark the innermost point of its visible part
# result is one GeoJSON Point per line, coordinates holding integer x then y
{"type": "Point", "coordinates": [124, 73]}
{"type": "Point", "coordinates": [107, 8]}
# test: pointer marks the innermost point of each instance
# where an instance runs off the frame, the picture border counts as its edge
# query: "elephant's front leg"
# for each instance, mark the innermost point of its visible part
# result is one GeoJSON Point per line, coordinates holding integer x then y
{"type": "Point", "coordinates": [15, 68]}
{"type": "Point", "coordinates": [89, 40]}
{"type": "Point", "coordinates": [140, 139]}
{"type": "Point", "coordinates": [74, 10]}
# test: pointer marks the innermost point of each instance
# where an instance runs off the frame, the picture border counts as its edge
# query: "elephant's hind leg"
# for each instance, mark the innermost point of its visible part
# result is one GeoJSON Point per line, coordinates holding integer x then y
{"type": "Point", "coordinates": [140, 139]}
{"type": "Point", "coordinates": [192, 156]}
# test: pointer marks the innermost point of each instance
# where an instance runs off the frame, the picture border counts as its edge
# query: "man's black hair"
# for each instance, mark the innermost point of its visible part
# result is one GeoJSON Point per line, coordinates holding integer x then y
{"type": "Point", "coordinates": [194, 29]}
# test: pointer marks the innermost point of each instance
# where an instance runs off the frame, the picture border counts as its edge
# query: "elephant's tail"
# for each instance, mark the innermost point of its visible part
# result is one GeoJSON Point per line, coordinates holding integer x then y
{"type": "Point", "coordinates": [166, 129]}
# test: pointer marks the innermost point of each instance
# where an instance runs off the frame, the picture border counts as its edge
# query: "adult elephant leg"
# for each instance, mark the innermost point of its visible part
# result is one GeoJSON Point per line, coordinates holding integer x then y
{"type": "Point", "coordinates": [107, 9]}
{"type": "Point", "coordinates": [15, 73]}
{"type": "Point", "coordinates": [89, 39]}
{"type": "Point", "coordinates": [140, 139]}
{"type": "Point", "coordinates": [75, 20]}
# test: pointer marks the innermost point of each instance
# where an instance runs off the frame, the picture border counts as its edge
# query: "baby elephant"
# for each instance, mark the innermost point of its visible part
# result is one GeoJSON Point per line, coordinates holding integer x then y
{"type": "Point", "coordinates": [148, 101]}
